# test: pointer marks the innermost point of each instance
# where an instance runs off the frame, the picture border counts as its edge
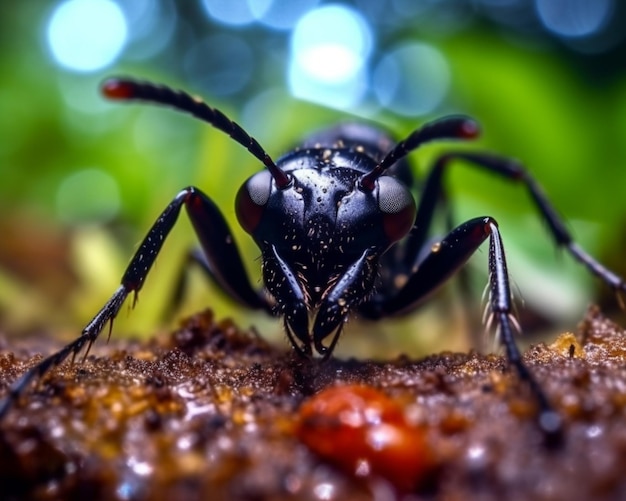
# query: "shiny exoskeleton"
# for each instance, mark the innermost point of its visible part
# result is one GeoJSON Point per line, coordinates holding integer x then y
{"type": "Point", "coordinates": [322, 237]}
{"type": "Point", "coordinates": [339, 232]}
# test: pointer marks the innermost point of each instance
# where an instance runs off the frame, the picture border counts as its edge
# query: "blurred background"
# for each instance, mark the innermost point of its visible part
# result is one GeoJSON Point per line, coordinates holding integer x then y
{"type": "Point", "coordinates": [82, 180]}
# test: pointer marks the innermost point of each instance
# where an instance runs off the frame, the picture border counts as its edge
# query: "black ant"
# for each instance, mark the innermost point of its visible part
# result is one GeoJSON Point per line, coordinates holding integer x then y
{"type": "Point", "coordinates": [339, 232]}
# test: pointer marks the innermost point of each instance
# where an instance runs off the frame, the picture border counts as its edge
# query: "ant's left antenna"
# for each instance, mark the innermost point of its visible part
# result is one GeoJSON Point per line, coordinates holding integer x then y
{"type": "Point", "coordinates": [458, 127]}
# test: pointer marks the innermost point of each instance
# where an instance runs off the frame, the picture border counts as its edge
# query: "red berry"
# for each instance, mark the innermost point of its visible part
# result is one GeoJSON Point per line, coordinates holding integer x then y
{"type": "Point", "coordinates": [366, 433]}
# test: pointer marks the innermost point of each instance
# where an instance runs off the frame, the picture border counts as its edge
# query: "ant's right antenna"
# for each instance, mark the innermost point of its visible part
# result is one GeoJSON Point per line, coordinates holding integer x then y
{"type": "Point", "coordinates": [127, 89]}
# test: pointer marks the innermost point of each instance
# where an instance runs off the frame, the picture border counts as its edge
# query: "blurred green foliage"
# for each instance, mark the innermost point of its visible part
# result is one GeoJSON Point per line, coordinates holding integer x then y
{"type": "Point", "coordinates": [564, 117]}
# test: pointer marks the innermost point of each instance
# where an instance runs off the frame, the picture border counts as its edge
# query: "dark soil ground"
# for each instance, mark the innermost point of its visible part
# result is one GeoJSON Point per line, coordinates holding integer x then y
{"type": "Point", "coordinates": [211, 412]}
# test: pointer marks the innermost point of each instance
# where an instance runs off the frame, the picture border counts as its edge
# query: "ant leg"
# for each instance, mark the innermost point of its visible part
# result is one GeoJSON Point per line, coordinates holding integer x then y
{"type": "Point", "coordinates": [444, 259]}
{"type": "Point", "coordinates": [196, 257]}
{"type": "Point", "coordinates": [222, 255]}
{"type": "Point", "coordinates": [513, 171]}
{"type": "Point", "coordinates": [221, 251]}
{"type": "Point", "coordinates": [193, 256]}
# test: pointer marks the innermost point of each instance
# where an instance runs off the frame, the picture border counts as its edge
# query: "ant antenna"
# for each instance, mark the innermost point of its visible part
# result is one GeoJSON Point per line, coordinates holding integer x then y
{"type": "Point", "coordinates": [127, 89]}
{"type": "Point", "coordinates": [458, 127]}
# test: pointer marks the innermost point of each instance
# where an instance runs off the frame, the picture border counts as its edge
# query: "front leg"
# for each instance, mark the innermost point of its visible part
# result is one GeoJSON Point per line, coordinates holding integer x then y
{"type": "Point", "coordinates": [222, 253]}
{"type": "Point", "coordinates": [447, 257]}
{"type": "Point", "coordinates": [444, 258]}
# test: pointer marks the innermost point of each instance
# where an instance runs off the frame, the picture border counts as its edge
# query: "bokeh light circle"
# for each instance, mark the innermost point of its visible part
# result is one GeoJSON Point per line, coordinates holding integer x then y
{"type": "Point", "coordinates": [412, 79]}
{"type": "Point", "coordinates": [330, 49]}
{"type": "Point", "coordinates": [574, 18]}
{"type": "Point", "coordinates": [281, 15]}
{"type": "Point", "coordinates": [220, 64]}
{"type": "Point", "coordinates": [331, 43]}
{"type": "Point", "coordinates": [86, 35]}
{"type": "Point", "coordinates": [235, 12]}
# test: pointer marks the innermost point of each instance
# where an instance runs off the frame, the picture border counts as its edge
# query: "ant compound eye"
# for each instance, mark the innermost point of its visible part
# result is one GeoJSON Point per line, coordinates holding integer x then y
{"type": "Point", "coordinates": [252, 199]}
{"type": "Point", "coordinates": [398, 207]}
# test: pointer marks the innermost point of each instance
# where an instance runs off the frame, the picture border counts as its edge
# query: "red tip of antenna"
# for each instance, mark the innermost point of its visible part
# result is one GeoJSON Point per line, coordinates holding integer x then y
{"type": "Point", "coordinates": [469, 129]}
{"type": "Point", "coordinates": [115, 88]}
